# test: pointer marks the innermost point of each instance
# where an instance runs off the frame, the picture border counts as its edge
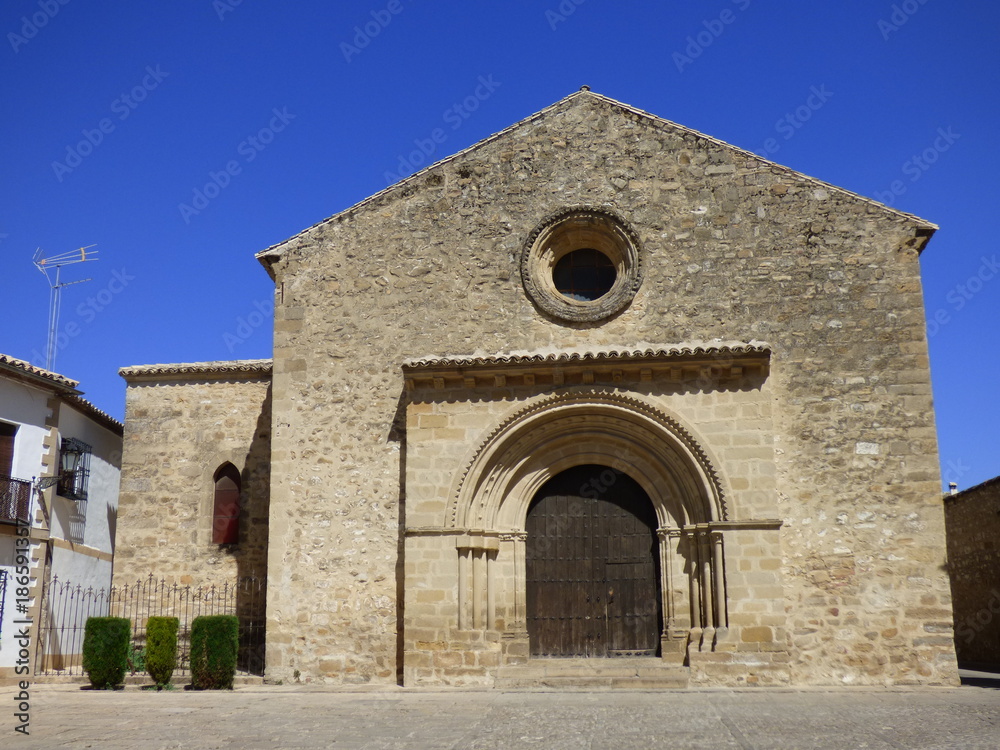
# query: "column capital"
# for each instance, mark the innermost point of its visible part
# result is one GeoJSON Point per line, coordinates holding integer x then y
{"type": "Point", "coordinates": [668, 533]}
{"type": "Point", "coordinates": [512, 536]}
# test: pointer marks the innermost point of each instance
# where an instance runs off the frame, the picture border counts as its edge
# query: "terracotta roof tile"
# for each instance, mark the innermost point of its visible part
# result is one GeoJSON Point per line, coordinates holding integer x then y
{"type": "Point", "coordinates": [721, 349]}
{"type": "Point", "coordinates": [239, 367]}
{"type": "Point", "coordinates": [38, 372]}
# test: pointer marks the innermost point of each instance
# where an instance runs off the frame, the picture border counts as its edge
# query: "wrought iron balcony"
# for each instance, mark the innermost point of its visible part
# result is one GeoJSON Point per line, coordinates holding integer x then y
{"type": "Point", "coordinates": [15, 500]}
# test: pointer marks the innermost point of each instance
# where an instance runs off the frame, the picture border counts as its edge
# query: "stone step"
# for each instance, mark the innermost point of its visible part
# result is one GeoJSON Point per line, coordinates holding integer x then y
{"type": "Point", "coordinates": [138, 680]}
{"type": "Point", "coordinates": [636, 674]}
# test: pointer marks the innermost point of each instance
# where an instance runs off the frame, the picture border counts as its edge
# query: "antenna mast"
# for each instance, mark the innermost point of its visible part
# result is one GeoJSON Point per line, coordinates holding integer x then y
{"type": "Point", "coordinates": [44, 264]}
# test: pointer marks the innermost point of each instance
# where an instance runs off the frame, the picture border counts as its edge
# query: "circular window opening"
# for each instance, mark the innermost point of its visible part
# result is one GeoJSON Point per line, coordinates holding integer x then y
{"type": "Point", "coordinates": [585, 275]}
{"type": "Point", "coordinates": [581, 265]}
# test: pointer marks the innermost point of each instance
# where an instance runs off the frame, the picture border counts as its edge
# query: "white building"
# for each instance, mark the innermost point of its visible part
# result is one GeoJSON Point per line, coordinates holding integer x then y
{"type": "Point", "coordinates": [60, 459]}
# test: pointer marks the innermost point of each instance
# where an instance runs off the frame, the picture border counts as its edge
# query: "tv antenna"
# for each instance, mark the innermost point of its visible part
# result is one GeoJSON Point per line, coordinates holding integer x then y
{"type": "Point", "coordinates": [57, 262]}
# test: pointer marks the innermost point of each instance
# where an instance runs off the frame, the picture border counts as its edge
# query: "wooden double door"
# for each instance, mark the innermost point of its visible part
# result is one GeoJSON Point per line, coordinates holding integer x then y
{"type": "Point", "coordinates": [592, 567]}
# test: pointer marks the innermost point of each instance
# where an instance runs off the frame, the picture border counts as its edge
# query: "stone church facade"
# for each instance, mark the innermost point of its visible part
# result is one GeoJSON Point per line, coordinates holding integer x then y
{"type": "Point", "coordinates": [598, 386]}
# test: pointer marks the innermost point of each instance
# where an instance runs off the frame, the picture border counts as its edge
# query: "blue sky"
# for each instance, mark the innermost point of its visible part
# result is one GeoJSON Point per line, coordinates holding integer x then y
{"type": "Point", "coordinates": [183, 137]}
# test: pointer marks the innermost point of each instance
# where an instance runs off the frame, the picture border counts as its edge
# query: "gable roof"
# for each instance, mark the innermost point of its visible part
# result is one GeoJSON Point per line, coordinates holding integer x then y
{"type": "Point", "coordinates": [65, 388]}
{"type": "Point", "coordinates": [585, 94]}
{"type": "Point", "coordinates": [974, 491]}
{"type": "Point", "coordinates": [26, 371]}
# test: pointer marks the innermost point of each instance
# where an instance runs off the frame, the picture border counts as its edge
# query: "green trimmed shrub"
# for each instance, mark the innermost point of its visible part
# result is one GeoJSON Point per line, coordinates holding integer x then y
{"type": "Point", "coordinates": [215, 642]}
{"type": "Point", "coordinates": [105, 650]}
{"type": "Point", "coordinates": [161, 648]}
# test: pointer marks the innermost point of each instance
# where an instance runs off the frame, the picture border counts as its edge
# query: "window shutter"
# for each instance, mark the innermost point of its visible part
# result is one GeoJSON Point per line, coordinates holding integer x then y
{"type": "Point", "coordinates": [226, 517]}
{"type": "Point", "coordinates": [7, 433]}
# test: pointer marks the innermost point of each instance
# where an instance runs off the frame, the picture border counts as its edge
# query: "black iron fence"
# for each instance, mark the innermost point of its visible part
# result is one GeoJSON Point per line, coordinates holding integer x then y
{"type": "Point", "coordinates": [15, 500]}
{"type": "Point", "coordinates": [66, 607]}
{"type": "Point", "coordinates": [3, 597]}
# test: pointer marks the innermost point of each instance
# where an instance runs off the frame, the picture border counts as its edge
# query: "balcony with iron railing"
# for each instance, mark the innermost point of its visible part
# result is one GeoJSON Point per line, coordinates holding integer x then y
{"type": "Point", "coordinates": [15, 500]}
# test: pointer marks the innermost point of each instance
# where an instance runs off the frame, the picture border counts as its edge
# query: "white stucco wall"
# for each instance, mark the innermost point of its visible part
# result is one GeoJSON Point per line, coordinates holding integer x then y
{"type": "Point", "coordinates": [90, 522]}
{"type": "Point", "coordinates": [81, 572]}
{"type": "Point", "coordinates": [26, 407]}
{"type": "Point", "coordinates": [8, 646]}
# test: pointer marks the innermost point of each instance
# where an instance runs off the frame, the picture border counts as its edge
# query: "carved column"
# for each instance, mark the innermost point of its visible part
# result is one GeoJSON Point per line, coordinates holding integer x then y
{"type": "Point", "coordinates": [694, 583]}
{"type": "Point", "coordinates": [666, 579]}
{"type": "Point", "coordinates": [478, 587]}
{"type": "Point", "coordinates": [491, 590]}
{"type": "Point", "coordinates": [673, 639]}
{"type": "Point", "coordinates": [707, 595]}
{"type": "Point", "coordinates": [463, 587]}
{"type": "Point", "coordinates": [719, 575]}
{"type": "Point", "coordinates": [519, 622]}
{"type": "Point", "coordinates": [514, 643]}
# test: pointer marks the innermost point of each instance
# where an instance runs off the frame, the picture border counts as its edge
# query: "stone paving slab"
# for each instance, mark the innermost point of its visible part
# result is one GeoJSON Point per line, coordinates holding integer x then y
{"type": "Point", "coordinates": [64, 716]}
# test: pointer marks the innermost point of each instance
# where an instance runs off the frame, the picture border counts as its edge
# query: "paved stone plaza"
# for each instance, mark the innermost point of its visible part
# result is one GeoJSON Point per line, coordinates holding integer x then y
{"type": "Point", "coordinates": [290, 717]}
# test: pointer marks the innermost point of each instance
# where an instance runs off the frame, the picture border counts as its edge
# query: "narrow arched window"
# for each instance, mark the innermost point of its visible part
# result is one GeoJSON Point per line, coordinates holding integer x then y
{"type": "Point", "coordinates": [226, 512]}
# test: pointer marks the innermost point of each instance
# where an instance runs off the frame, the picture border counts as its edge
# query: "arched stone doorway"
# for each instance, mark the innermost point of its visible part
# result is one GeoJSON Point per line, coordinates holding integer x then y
{"type": "Point", "coordinates": [484, 438]}
{"type": "Point", "coordinates": [592, 566]}
{"type": "Point", "coordinates": [556, 434]}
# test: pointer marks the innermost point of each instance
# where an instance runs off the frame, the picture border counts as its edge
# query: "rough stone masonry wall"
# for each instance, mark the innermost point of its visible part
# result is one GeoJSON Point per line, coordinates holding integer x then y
{"type": "Point", "coordinates": [735, 248]}
{"type": "Point", "coordinates": [973, 521]}
{"type": "Point", "coordinates": [177, 434]}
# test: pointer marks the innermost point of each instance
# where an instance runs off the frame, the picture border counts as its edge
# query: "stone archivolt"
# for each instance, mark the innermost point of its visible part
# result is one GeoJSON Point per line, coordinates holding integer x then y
{"type": "Point", "coordinates": [560, 431]}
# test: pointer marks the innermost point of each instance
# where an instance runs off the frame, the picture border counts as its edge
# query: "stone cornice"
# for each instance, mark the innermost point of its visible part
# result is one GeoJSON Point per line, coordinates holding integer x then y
{"type": "Point", "coordinates": [759, 524]}
{"type": "Point", "coordinates": [719, 362]}
{"type": "Point", "coordinates": [241, 369]}
{"type": "Point", "coordinates": [750, 524]}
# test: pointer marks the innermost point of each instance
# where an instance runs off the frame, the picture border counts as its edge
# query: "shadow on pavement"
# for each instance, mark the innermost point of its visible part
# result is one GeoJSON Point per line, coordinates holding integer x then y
{"type": "Point", "coordinates": [976, 678]}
